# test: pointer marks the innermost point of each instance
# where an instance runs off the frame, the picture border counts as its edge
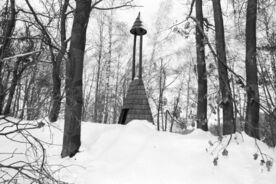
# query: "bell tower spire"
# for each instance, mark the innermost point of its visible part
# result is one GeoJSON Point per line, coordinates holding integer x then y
{"type": "Point", "coordinates": [136, 104]}
{"type": "Point", "coordinates": [137, 30]}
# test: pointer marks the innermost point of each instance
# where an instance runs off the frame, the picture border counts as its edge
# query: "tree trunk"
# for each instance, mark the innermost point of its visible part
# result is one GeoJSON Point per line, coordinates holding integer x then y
{"type": "Point", "coordinates": [273, 66]}
{"type": "Point", "coordinates": [56, 93]}
{"type": "Point", "coordinates": [171, 127]}
{"type": "Point", "coordinates": [252, 108]}
{"type": "Point", "coordinates": [235, 106]}
{"type": "Point", "coordinates": [176, 106]}
{"type": "Point", "coordinates": [32, 98]}
{"type": "Point", "coordinates": [7, 33]}
{"type": "Point", "coordinates": [17, 73]}
{"type": "Point", "coordinates": [108, 68]}
{"type": "Point", "coordinates": [26, 93]}
{"type": "Point", "coordinates": [159, 98]}
{"type": "Point", "coordinates": [12, 88]}
{"type": "Point", "coordinates": [17, 101]}
{"type": "Point", "coordinates": [224, 85]}
{"type": "Point", "coordinates": [87, 97]}
{"type": "Point", "coordinates": [100, 52]}
{"type": "Point", "coordinates": [115, 106]}
{"type": "Point", "coordinates": [188, 92]}
{"type": "Point", "coordinates": [73, 83]}
{"type": "Point", "coordinates": [95, 115]}
{"type": "Point", "coordinates": [201, 71]}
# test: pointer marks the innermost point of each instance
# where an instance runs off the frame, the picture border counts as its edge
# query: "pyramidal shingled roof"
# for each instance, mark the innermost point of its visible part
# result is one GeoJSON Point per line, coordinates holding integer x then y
{"type": "Point", "coordinates": [136, 103]}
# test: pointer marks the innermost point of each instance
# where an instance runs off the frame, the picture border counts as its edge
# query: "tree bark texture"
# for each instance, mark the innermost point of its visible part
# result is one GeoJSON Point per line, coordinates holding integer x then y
{"type": "Point", "coordinates": [252, 109]}
{"type": "Point", "coordinates": [73, 83]}
{"type": "Point", "coordinates": [201, 71]}
{"type": "Point", "coordinates": [7, 33]}
{"type": "Point", "coordinates": [224, 85]}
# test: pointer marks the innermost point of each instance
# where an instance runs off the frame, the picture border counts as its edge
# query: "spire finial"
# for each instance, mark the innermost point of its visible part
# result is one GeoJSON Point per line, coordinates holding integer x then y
{"type": "Point", "coordinates": [138, 27]}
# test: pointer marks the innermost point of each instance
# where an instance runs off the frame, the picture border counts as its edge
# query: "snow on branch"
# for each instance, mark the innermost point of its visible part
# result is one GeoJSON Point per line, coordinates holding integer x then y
{"type": "Point", "coordinates": [21, 55]}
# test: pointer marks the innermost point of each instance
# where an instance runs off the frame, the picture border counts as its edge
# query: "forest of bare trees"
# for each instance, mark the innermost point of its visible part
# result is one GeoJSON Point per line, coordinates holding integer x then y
{"type": "Point", "coordinates": [71, 60]}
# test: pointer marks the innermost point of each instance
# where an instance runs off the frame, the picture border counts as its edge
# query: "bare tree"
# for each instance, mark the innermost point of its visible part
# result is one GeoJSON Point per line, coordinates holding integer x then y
{"type": "Point", "coordinates": [99, 58]}
{"type": "Point", "coordinates": [56, 59]}
{"type": "Point", "coordinates": [252, 89]}
{"type": "Point", "coordinates": [73, 82]}
{"type": "Point", "coordinates": [7, 27]}
{"type": "Point", "coordinates": [56, 93]}
{"type": "Point", "coordinates": [108, 67]}
{"type": "Point", "coordinates": [225, 90]}
{"type": "Point", "coordinates": [201, 70]}
{"type": "Point", "coordinates": [162, 87]}
{"type": "Point", "coordinates": [20, 65]}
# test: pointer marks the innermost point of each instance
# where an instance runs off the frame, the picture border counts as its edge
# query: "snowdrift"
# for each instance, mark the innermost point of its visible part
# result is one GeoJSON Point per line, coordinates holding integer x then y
{"type": "Point", "coordinates": [137, 154]}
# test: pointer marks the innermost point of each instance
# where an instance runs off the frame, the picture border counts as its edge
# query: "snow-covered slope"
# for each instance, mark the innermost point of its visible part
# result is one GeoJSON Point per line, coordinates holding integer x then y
{"type": "Point", "coordinates": [137, 154]}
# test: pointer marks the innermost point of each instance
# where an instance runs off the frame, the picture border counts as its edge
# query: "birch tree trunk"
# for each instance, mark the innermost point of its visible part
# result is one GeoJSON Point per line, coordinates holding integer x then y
{"type": "Point", "coordinates": [108, 67]}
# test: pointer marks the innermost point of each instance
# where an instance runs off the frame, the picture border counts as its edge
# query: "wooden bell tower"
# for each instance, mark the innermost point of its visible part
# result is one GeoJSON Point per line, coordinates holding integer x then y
{"type": "Point", "coordinates": [136, 105]}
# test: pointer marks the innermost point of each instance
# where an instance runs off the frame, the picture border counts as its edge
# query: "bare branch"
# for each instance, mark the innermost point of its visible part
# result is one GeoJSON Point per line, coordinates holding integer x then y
{"type": "Point", "coordinates": [43, 30]}
{"type": "Point", "coordinates": [125, 5]}
{"type": "Point", "coordinates": [22, 55]}
{"type": "Point", "coordinates": [191, 8]}
{"type": "Point", "coordinates": [34, 167]}
{"type": "Point", "coordinates": [95, 4]}
{"type": "Point", "coordinates": [212, 49]}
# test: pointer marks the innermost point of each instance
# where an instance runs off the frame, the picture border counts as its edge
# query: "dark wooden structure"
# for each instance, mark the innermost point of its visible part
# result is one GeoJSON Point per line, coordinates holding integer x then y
{"type": "Point", "coordinates": [136, 105]}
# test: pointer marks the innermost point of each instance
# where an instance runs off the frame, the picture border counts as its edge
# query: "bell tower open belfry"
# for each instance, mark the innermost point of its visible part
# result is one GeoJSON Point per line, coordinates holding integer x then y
{"type": "Point", "coordinates": [136, 105]}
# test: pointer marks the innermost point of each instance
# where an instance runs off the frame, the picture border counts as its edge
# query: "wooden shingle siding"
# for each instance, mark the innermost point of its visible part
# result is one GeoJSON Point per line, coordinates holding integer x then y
{"type": "Point", "coordinates": [137, 103]}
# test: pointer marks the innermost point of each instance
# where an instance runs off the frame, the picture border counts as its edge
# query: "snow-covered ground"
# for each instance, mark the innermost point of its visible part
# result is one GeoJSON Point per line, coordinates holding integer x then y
{"type": "Point", "coordinates": [137, 154]}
